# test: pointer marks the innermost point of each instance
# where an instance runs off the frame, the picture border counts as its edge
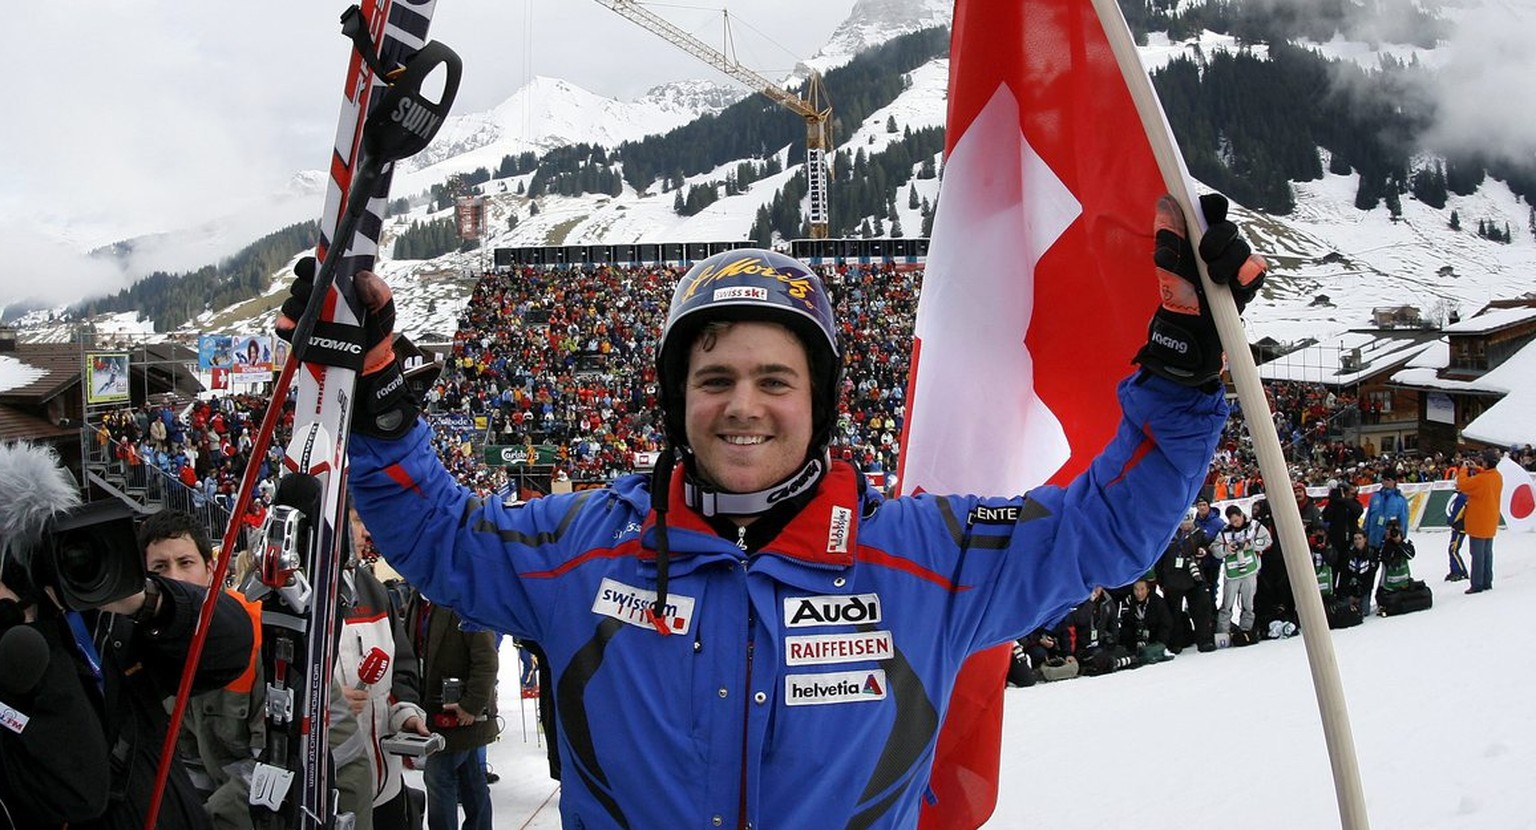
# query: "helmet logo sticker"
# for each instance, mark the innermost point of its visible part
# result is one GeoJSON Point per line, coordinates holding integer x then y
{"type": "Point", "coordinates": [741, 292]}
{"type": "Point", "coordinates": [797, 285]}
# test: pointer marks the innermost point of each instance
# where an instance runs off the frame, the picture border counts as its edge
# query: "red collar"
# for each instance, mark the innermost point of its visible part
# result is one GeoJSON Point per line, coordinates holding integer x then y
{"type": "Point", "coordinates": [824, 532]}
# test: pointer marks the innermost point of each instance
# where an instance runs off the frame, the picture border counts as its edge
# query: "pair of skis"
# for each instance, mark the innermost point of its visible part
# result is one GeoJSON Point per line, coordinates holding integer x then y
{"type": "Point", "coordinates": [385, 117]}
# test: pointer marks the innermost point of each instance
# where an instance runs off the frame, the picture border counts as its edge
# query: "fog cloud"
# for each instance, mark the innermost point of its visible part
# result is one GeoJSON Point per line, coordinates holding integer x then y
{"type": "Point", "coordinates": [135, 118]}
{"type": "Point", "coordinates": [1485, 90]}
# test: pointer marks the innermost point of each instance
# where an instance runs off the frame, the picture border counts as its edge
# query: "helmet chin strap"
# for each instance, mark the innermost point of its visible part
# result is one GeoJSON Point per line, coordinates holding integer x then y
{"type": "Point", "coordinates": [711, 502]}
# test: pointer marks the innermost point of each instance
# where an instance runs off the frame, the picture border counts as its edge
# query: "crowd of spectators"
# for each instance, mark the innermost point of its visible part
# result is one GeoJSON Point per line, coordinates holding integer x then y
{"type": "Point", "coordinates": [204, 445]}
{"type": "Point", "coordinates": [560, 363]}
{"type": "Point", "coordinates": [561, 359]}
{"type": "Point", "coordinates": [1319, 433]}
{"type": "Point", "coordinates": [564, 358]}
{"type": "Point", "coordinates": [556, 358]}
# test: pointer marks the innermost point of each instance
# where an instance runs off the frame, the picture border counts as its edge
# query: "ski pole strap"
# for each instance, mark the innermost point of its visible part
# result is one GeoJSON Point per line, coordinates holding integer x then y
{"type": "Point", "coordinates": [404, 120]}
{"type": "Point", "coordinates": [332, 344]}
{"type": "Point", "coordinates": [355, 27]}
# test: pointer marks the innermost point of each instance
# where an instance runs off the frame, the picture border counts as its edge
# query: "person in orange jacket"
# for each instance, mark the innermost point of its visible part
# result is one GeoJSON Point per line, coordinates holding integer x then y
{"type": "Point", "coordinates": [1483, 484]}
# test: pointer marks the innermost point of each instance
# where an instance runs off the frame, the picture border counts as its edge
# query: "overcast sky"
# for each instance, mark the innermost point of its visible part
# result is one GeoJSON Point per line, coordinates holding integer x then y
{"type": "Point", "coordinates": [126, 117]}
{"type": "Point", "coordinates": [134, 116]}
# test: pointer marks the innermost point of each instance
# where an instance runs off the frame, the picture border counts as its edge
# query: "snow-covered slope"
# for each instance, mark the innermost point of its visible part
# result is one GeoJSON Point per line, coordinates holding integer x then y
{"type": "Point", "coordinates": [1364, 259]}
{"type": "Point", "coordinates": [1358, 260]}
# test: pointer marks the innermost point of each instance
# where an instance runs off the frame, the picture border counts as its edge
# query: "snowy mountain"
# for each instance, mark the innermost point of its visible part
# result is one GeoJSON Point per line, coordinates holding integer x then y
{"type": "Point", "coordinates": [1333, 263]}
{"type": "Point", "coordinates": [872, 22]}
{"type": "Point", "coordinates": [549, 112]}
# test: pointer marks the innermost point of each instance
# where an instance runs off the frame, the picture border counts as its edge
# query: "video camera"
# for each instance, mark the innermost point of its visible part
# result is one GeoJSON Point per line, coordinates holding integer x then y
{"type": "Point", "coordinates": [89, 555]}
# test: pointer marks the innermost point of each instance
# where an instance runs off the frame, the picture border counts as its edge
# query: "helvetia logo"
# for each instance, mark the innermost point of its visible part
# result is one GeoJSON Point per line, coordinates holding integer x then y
{"type": "Point", "coordinates": [835, 687]}
{"type": "Point", "coordinates": [873, 686]}
{"type": "Point", "coordinates": [800, 612]}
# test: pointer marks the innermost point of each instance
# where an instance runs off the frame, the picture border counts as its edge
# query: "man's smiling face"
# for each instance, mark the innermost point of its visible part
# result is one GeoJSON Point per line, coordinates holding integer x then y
{"type": "Point", "coordinates": [748, 405]}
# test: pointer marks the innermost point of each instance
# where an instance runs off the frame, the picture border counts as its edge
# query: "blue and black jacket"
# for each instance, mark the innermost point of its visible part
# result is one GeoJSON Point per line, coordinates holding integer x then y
{"type": "Point", "coordinates": [803, 685]}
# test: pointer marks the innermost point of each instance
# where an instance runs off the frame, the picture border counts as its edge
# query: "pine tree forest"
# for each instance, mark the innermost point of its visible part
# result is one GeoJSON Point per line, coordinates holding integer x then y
{"type": "Point", "coordinates": [1250, 122]}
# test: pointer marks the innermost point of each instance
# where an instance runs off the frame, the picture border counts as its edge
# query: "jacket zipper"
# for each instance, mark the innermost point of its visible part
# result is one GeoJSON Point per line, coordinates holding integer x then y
{"type": "Point", "coordinates": [746, 697]}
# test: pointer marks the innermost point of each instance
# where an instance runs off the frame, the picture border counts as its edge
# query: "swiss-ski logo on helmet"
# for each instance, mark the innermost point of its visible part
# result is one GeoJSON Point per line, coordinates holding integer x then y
{"type": "Point", "coordinates": [799, 285]}
{"type": "Point", "coordinates": [741, 292]}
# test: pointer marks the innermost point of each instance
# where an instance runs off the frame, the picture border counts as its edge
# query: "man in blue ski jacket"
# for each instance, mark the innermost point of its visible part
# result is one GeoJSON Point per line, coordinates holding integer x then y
{"type": "Point", "coordinates": [1387, 504]}
{"type": "Point", "coordinates": [752, 637]}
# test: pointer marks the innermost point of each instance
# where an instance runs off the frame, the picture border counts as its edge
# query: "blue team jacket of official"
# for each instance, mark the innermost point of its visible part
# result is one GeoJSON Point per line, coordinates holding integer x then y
{"type": "Point", "coordinates": [802, 686]}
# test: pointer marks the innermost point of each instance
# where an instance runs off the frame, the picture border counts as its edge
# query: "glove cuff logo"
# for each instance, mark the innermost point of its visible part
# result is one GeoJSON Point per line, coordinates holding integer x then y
{"type": "Point", "coordinates": [1161, 339]}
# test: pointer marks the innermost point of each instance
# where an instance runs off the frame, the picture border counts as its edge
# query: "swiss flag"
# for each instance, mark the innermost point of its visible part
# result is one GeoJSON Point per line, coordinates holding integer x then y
{"type": "Point", "coordinates": [1038, 289]}
{"type": "Point", "coordinates": [1517, 498]}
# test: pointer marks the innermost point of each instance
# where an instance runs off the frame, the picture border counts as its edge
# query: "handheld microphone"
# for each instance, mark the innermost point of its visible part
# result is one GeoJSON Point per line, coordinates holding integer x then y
{"type": "Point", "coordinates": [372, 669]}
{"type": "Point", "coordinates": [24, 653]}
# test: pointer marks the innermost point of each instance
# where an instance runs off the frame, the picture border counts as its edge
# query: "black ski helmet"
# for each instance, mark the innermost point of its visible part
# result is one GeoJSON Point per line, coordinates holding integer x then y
{"type": "Point", "coordinates": [751, 284]}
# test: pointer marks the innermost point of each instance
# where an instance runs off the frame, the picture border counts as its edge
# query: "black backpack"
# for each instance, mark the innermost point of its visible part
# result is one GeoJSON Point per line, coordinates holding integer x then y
{"type": "Point", "coordinates": [1415, 597]}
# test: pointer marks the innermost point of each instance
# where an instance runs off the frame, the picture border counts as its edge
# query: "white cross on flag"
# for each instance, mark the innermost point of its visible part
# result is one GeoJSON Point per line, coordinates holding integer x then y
{"type": "Point", "coordinates": [1037, 293]}
{"type": "Point", "coordinates": [1039, 282]}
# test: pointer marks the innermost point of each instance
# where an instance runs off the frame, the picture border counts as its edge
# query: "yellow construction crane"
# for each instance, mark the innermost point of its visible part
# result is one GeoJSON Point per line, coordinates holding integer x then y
{"type": "Point", "coordinates": [817, 111]}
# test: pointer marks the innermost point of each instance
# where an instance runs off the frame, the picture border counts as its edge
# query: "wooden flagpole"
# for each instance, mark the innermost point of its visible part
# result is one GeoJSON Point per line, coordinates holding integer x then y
{"type": "Point", "coordinates": [1266, 443]}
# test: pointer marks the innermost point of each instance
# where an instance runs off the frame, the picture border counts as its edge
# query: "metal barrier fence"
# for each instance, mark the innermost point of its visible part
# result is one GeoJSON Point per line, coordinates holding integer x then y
{"type": "Point", "coordinates": [151, 486]}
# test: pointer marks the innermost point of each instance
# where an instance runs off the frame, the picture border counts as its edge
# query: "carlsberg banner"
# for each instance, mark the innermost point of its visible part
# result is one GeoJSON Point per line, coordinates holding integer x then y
{"type": "Point", "coordinates": [498, 455]}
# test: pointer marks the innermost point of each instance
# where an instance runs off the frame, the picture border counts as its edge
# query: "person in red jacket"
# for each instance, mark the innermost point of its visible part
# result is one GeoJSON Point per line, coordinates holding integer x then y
{"type": "Point", "coordinates": [1483, 485]}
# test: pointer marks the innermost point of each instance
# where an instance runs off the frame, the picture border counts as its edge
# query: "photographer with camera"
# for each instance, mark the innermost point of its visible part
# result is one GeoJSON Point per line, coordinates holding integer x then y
{"type": "Point", "coordinates": [1483, 485]}
{"type": "Point", "coordinates": [225, 728]}
{"type": "Point", "coordinates": [91, 647]}
{"type": "Point", "coordinates": [459, 669]}
{"type": "Point", "coordinates": [1396, 551]}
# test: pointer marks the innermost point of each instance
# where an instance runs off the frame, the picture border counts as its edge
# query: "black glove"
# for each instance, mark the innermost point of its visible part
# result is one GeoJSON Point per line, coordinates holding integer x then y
{"type": "Point", "coordinates": [1182, 343]}
{"type": "Point", "coordinates": [385, 407]}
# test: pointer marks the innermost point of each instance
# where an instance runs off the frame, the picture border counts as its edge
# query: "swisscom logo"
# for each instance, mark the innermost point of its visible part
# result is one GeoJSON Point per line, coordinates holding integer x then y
{"type": "Point", "coordinates": [631, 605]}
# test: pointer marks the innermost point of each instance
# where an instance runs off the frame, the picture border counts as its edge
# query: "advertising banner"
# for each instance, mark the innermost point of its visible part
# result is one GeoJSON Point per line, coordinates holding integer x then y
{"type": "Point", "coordinates": [215, 351]}
{"type": "Point", "coordinates": [106, 377]}
{"type": "Point", "coordinates": [502, 455]}
{"type": "Point", "coordinates": [253, 359]}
